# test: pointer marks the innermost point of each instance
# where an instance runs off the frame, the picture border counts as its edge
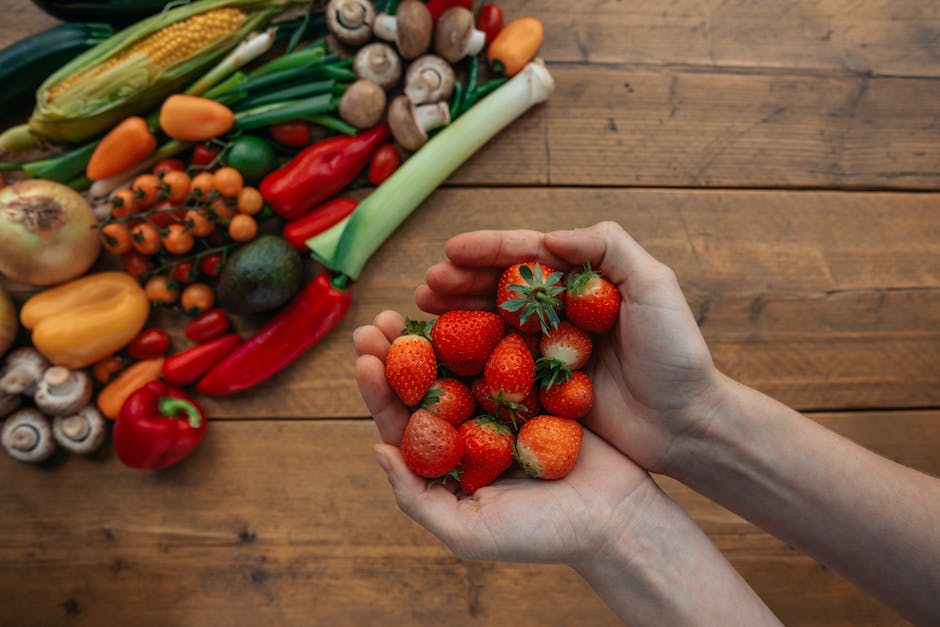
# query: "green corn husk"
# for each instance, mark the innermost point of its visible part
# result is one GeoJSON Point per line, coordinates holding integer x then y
{"type": "Point", "coordinates": [89, 95]}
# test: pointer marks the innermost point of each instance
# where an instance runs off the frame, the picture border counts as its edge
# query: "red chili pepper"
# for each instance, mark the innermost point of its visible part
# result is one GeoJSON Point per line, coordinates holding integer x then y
{"type": "Point", "coordinates": [158, 426]}
{"type": "Point", "coordinates": [490, 21]}
{"type": "Point", "coordinates": [210, 325]}
{"type": "Point", "coordinates": [148, 344]}
{"type": "Point", "coordinates": [320, 171]}
{"type": "Point", "coordinates": [211, 265]}
{"type": "Point", "coordinates": [184, 368]}
{"type": "Point", "coordinates": [168, 165]}
{"type": "Point", "coordinates": [204, 155]}
{"type": "Point", "coordinates": [384, 163]}
{"type": "Point", "coordinates": [298, 231]}
{"type": "Point", "coordinates": [305, 321]}
{"type": "Point", "coordinates": [437, 7]}
{"type": "Point", "coordinates": [294, 133]}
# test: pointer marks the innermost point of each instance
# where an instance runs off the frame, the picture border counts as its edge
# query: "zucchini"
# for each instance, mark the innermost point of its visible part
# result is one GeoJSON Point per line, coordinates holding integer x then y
{"type": "Point", "coordinates": [115, 12]}
{"type": "Point", "coordinates": [25, 64]}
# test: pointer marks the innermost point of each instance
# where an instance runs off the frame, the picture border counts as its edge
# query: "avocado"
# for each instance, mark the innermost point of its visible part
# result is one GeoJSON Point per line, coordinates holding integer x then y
{"type": "Point", "coordinates": [260, 276]}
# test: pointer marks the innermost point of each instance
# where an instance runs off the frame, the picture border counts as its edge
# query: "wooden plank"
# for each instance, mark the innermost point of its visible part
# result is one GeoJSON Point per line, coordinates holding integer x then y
{"type": "Point", "coordinates": [824, 300]}
{"type": "Point", "coordinates": [293, 523]}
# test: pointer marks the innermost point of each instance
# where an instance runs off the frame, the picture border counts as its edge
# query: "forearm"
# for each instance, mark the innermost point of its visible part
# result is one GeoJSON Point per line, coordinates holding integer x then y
{"type": "Point", "coordinates": [661, 569]}
{"type": "Point", "coordinates": [862, 515]}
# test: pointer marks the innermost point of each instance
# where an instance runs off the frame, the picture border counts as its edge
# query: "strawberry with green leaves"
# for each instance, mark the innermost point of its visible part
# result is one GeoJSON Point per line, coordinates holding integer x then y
{"type": "Point", "coordinates": [563, 349]}
{"type": "Point", "coordinates": [463, 339]}
{"type": "Point", "coordinates": [451, 400]}
{"type": "Point", "coordinates": [510, 370]}
{"type": "Point", "coordinates": [593, 302]}
{"type": "Point", "coordinates": [530, 297]}
{"type": "Point", "coordinates": [569, 399]}
{"type": "Point", "coordinates": [411, 366]}
{"type": "Point", "coordinates": [547, 447]}
{"type": "Point", "coordinates": [487, 452]}
{"type": "Point", "coordinates": [431, 446]}
{"type": "Point", "coordinates": [515, 413]}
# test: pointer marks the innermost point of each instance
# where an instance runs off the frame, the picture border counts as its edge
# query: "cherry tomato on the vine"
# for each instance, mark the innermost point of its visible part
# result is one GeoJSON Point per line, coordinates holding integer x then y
{"type": "Point", "coordinates": [148, 344]}
{"type": "Point", "coordinates": [197, 298]}
{"type": "Point", "coordinates": [294, 133]}
{"type": "Point", "coordinates": [135, 264]}
{"type": "Point", "coordinates": [210, 325]}
{"type": "Point", "coordinates": [211, 265]}
{"type": "Point", "coordinates": [183, 272]}
{"type": "Point", "coordinates": [168, 165]}
{"type": "Point", "coordinates": [204, 155]}
{"type": "Point", "coordinates": [384, 162]}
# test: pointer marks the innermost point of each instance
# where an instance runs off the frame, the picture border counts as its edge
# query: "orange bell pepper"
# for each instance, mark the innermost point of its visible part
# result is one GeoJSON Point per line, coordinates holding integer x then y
{"type": "Point", "coordinates": [128, 143]}
{"type": "Point", "coordinates": [85, 320]}
{"type": "Point", "coordinates": [112, 397]}
{"type": "Point", "coordinates": [515, 45]}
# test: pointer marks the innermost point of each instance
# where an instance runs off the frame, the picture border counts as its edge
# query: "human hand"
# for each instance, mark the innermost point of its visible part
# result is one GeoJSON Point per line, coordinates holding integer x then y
{"type": "Point", "coordinates": [568, 521]}
{"type": "Point", "coordinates": [653, 376]}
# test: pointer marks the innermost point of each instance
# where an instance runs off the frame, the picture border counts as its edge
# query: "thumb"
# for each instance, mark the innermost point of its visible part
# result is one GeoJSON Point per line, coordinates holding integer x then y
{"type": "Point", "coordinates": [609, 249]}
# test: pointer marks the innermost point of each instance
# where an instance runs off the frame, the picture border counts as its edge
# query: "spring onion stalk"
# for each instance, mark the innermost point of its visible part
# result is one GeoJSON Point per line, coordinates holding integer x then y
{"type": "Point", "coordinates": [376, 217]}
{"type": "Point", "coordinates": [236, 80]}
{"type": "Point", "coordinates": [334, 124]}
{"type": "Point", "coordinates": [295, 92]}
{"type": "Point", "coordinates": [274, 113]}
{"type": "Point", "coordinates": [18, 138]}
{"type": "Point", "coordinates": [290, 61]}
{"type": "Point", "coordinates": [245, 52]}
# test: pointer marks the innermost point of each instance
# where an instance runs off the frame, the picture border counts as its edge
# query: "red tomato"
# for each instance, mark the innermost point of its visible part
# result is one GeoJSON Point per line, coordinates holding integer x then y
{"type": "Point", "coordinates": [135, 264]}
{"type": "Point", "coordinates": [294, 133]}
{"type": "Point", "coordinates": [210, 325]}
{"type": "Point", "coordinates": [168, 165]}
{"type": "Point", "coordinates": [204, 155]}
{"type": "Point", "coordinates": [182, 272]}
{"type": "Point", "coordinates": [164, 217]}
{"type": "Point", "coordinates": [149, 344]}
{"type": "Point", "coordinates": [490, 21]}
{"type": "Point", "coordinates": [384, 162]}
{"type": "Point", "coordinates": [211, 265]}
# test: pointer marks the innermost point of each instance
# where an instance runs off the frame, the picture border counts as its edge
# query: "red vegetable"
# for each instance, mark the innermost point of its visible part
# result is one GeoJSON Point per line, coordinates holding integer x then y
{"type": "Point", "coordinates": [168, 165]}
{"type": "Point", "coordinates": [295, 133]}
{"type": "Point", "coordinates": [135, 264]}
{"type": "Point", "coordinates": [319, 172]}
{"type": "Point", "coordinates": [298, 231]}
{"type": "Point", "coordinates": [305, 321]}
{"type": "Point", "coordinates": [158, 426]}
{"type": "Point", "coordinates": [211, 265]}
{"type": "Point", "coordinates": [437, 7]}
{"type": "Point", "coordinates": [210, 325]}
{"type": "Point", "coordinates": [148, 344]}
{"type": "Point", "coordinates": [490, 21]}
{"type": "Point", "coordinates": [186, 367]}
{"type": "Point", "coordinates": [166, 213]}
{"type": "Point", "coordinates": [204, 155]}
{"type": "Point", "coordinates": [384, 163]}
{"type": "Point", "coordinates": [182, 272]}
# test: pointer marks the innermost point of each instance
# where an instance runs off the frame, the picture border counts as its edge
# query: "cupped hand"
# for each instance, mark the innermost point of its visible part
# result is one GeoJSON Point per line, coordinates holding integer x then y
{"type": "Point", "coordinates": [653, 375]}
{"type": "Point", "coordinates": [516, 518]}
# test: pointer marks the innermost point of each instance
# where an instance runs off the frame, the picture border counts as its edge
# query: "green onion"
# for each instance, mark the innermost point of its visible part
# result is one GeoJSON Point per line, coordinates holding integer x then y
{"type": "Point", "coordinates": [271, 114]}
{"type": "Point", "coordinates": [334, 124]}
{"type": "Point", "coordinates": [291, 61]}
{"type": "Point", "coordinates": [386, 208]}
{"type": "Point", "coordinates": [290, 93]}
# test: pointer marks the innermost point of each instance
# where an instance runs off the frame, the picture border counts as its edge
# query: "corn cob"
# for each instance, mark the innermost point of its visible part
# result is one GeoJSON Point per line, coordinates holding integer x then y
{"type": "Point", "coordinates": [136, 69]}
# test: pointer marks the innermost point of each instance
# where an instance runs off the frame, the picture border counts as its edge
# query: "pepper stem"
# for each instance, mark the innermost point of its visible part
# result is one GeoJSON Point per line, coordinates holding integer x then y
{"type": "Point", "coordinates": [171, 407]}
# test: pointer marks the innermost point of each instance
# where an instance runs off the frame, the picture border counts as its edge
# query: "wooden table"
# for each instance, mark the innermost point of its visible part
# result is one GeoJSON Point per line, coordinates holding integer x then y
{"type": "Point", "coordinates": [782, 156]}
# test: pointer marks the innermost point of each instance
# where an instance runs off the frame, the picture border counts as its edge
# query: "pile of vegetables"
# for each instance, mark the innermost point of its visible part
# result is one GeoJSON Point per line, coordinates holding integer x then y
{"type": "Point", "coordinates": [208, 167]}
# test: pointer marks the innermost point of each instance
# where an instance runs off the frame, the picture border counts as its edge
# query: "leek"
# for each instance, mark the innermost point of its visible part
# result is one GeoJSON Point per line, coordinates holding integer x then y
{"type": "Point", "coordinates": [386, 208]}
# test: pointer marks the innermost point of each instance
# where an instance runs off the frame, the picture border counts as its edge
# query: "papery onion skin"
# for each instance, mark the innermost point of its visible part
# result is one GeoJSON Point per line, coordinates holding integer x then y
{"type": "Point", "coordinates": [47, 233]}
{"type": "Point", "coordinates": [8, 322]}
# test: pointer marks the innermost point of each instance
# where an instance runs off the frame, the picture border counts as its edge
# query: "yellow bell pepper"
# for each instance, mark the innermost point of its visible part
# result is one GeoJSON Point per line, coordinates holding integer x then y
{"type": "Point", "coordinates": [79, 322]}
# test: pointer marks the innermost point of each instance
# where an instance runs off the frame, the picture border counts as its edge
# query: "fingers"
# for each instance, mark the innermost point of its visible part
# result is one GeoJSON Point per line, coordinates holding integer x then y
{"type": "Point", "coordinates": [449, 279]}
{"type": "Point", "coordinates": [434, 303]}
{"type": "Point", "coordinates": [433, 508]}
{"type": "Point", "coordinates": [607, 246]}
{"type": "Point", "coordinates": [498, 249]}
{"type": "Point", "coordinates": [371, 343]}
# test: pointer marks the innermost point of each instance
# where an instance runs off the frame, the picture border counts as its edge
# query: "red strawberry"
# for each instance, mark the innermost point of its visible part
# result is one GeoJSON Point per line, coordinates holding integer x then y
{"type": "Point", "coordinates": [410, 365]}
{"type": "Point", "coordinates": [510, 370]}
{"type": "Point", "coordinates": [451, 400]}
{"type": "Point", "coordinates": [481, 392]}
{"type": "Point", "coordinates": [515, 413]}
{"type": "Point", "coordinates": [564, 349]}
{"type": "Point", "coordinates": [431, 446]}
{"type": "Point", "coordinates": [487, 452]}
{"type": "Point", "coordinates": [532, 340]}
{"type": "Point", "coordinates": [593, 302]}
{"type": "Point", "coordinates": [569, 399]}
{"type": "Point", "coordinates": [464, 339]}
{"type": "Point", "coordinates": [548, 446]}
{"type": "Point", "coordinates": [529, 297]}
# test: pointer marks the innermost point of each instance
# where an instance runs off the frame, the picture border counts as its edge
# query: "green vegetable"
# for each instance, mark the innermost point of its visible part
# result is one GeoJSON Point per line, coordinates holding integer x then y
{"type": "Point", "coordinates": [252, 156]}
{"type": "Point", "coordinates": [116, 12]}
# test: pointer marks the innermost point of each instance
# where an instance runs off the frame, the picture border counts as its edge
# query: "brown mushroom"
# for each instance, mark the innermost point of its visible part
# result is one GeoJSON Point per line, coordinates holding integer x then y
{"type": "Point", "coordinates": [62, 391]}
{"type": "Point", "coordinates": [455, 36]}
{"type": "Point", "coordinates": [410, 28]}
{"type": "Point", "coordinates": [81, 432]}
{"type": "Point", "coordinates": [9, 402]}
{"type": "Point", "coordinates": [378, 63]}
{"type": "Point", "coordinates": [22, 370]}
{"type": "Point", "coordinates": [350, 21]}
{"type": "Point", "coordinates": [429, 79]}
{"type": "Point", "coordinates": [362, 104]}
{"type": "Point", "coordinates": [410, 124]}
{"type": "Point", "coordinates": [26, 436]}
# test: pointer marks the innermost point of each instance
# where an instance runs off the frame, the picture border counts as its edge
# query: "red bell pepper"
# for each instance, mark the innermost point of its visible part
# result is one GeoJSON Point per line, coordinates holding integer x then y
{"type": "Point", "coordinates": [305, 321]}
{"type": "Point", "coordinates": [320, 171]}
{"type": "Point", "coordinates": [210, 325]}
{"type": "Point", "coordinates": [158, 426]}
{"type": "Point", "coordinates": [186, 367]}
{"type": "Point", "coordinates": [437, 7]}
{"type": "Point", "coordinates": [298, 231]}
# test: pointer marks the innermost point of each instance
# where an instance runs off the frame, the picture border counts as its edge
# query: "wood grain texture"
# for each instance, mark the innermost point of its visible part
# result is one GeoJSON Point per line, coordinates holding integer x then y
{"type": "Point", "coordinates": [293, 523]}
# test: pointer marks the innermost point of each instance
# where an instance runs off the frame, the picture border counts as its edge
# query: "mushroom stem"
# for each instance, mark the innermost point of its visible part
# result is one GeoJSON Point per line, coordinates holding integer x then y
{"type": "Point", "coordinates": [75, 427]}
{"type": "Point", "coordinates": [82, 432]}
{"type": "Point", "coordinates": [24, 438]}
{"type": "Point", "coordinates": [385, 27]}
{"type": "Point", "coordinates": [431, 116]}
{"type": "Point", "coordinates": [58, 379]}
{"type": "Point", "coordinates": [477, 42]}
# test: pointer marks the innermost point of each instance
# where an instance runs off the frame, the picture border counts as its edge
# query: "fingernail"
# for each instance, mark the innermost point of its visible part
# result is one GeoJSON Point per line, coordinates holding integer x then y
{"type": "Point", "coordinates": [381, 459]}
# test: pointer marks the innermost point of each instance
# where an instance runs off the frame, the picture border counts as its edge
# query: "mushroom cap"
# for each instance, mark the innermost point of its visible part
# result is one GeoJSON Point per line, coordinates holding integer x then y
{"type": "Point", "coordinates": [9, 402]}
{"type": "Point", "coordinates": [27, 437]}
{"type": "Point", "coordinates": [362, 104]}
{"type": "Point", "coordinates": [401, 121]}
{"type": "Point", "coordinates": [429, 79]}
{"type": "Point", "coordinates": [22, 369]}
{"type": "Point", "coordinates": [350, 21]}
{"type": "Point", "coordinates": [61, 391]}
{"type": "Point", "coordinates": [415, 28]}
{"type": "Point", "coordinates": [452, 33]}
{"type": "Point", "coordinates": [379, 63]}
{"type": "Point", "coordinates": [82, 432]}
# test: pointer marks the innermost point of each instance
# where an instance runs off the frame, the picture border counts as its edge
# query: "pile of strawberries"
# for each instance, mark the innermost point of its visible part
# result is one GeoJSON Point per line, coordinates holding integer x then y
{"type": "Point", "coordinates": [487, 388]}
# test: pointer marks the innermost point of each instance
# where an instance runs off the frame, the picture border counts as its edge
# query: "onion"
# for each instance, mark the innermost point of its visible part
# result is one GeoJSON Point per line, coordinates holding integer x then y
{"type": "Point", "coordinates": [8, 323]}
{"type": "Point", "coordinates": [47, 233]}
